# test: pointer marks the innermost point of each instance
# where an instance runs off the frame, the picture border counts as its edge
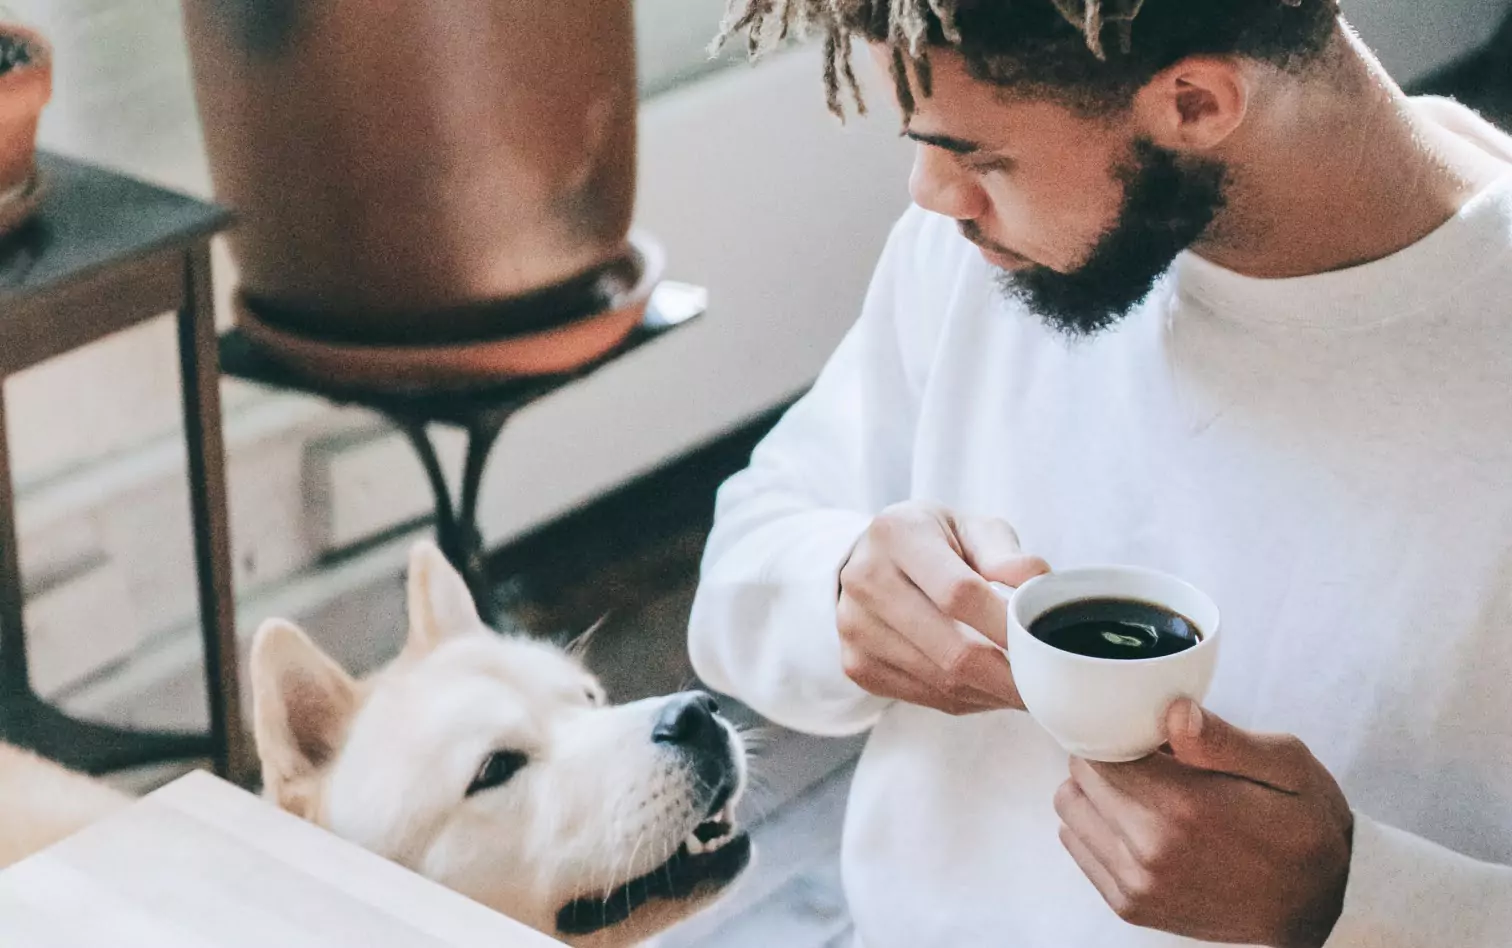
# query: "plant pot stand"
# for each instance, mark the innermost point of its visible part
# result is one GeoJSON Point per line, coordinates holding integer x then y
{"type": "Point", "coordinates": [482, 413]}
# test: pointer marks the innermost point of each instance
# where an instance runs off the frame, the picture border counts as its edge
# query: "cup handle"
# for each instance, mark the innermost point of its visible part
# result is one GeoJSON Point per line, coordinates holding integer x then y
{"type": "Point", "coordinates": [1005, 593]}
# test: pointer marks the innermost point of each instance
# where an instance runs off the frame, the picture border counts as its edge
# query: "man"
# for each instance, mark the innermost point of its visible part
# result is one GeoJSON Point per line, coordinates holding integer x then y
{"type": "Point", "coordinates": [1190, 285]}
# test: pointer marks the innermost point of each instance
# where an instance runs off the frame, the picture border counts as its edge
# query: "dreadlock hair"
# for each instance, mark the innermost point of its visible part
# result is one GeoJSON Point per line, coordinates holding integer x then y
{"type": "Point", "coordinates": [1090, 54]}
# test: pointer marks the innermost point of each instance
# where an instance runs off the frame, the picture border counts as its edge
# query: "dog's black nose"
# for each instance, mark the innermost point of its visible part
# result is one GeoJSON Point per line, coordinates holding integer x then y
{"type": "Point", "coordinates": [688, 719]}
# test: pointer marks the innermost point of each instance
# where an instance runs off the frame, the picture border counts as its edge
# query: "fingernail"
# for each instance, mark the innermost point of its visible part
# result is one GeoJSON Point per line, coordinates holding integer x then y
{"type": "Point", "coordinates": [1194, 720]}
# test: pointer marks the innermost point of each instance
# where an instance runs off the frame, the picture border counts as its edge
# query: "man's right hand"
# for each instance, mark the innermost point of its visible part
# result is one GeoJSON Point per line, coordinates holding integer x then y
{"type": "Point", "coordinates": [917, 615]}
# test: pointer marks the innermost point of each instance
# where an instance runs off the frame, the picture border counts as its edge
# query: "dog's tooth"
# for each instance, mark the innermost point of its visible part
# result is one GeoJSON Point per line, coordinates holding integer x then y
{"type": "Point", "coordinates": [719, 842]}
{"type": "Point", "coordinates": [694, 845]}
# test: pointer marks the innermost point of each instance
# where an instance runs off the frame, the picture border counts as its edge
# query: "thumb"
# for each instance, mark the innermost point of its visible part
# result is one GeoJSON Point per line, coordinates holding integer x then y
{"type": "Point", "coordinates": [1201, 739]}
{"type": "Point", "coordinates": [991, 547]}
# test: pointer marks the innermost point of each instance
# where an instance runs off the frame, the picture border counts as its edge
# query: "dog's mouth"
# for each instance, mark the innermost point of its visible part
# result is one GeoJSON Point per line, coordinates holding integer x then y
{"type": "Point", "coordinates": [709, 859]}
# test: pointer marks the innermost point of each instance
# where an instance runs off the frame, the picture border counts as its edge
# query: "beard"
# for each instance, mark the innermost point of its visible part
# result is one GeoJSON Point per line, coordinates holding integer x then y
{"type": "Point", "coordinates": [1169, 201]}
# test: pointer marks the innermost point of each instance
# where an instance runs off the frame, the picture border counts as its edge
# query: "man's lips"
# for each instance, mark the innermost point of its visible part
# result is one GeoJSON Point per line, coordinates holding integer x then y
{"type": "Point", "coordinates": [1000, 257]}
{"type": "Point", "coordinates": [1005, 260]}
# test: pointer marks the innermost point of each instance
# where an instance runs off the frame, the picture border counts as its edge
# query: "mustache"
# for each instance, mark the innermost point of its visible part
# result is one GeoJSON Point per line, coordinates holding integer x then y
{"type": "Point", "coordinates": [973, 233]}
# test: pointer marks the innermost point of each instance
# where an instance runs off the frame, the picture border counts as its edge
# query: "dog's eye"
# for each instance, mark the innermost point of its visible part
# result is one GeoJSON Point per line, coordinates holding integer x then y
{"type": "Point", "coordinates": [594, 698]}
{"type": "Point", "coordinates": [497, 768]}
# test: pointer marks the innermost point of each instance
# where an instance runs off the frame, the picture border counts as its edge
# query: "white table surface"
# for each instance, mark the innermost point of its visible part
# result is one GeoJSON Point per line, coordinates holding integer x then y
{"type": "Point", "coordinates": [203, 864]}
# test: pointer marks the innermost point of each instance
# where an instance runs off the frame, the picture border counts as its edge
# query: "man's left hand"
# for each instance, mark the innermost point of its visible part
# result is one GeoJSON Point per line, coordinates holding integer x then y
{"type": "Point", "coordinates": [1231, 837]}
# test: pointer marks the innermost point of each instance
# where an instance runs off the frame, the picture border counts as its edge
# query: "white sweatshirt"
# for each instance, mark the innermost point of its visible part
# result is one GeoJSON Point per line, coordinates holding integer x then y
{"type": "Point", "coordinates": [1329, 457]}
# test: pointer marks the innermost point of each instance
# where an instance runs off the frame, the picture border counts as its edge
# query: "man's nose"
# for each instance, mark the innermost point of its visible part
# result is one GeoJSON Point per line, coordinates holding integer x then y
{"type": "Point", "coordinates": [938, 184]}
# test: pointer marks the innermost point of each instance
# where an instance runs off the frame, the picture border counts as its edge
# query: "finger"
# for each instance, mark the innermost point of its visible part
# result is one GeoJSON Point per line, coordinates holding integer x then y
{"type": "Point", "coordinates": [1102, 880]}
{"type": "Point", "coordinates": [1149, 800]}
{"type": "Point", "coordinates": [933, 563]}
{"type": "Point", "coordinates": [1130, 797]}
{"type": "Point", "coordinates": [962, 660]}
{"type": "Point", "coordinates": [991, 547]}
{"type": "Point", "coordinates": [1201, 739]}
{"type": "Point", "coordinates": [886, 681]}
{"type": "Point", "coordinates": [918, 683]}
{"type": "Point", "coordinates": [982, 668]}
{"type": "Point", "coordinates": [1147, 777]}
{"type": "Point", "coordinates": [879, 640]}
{"type": "Point", "coordinates": [1083, 819]}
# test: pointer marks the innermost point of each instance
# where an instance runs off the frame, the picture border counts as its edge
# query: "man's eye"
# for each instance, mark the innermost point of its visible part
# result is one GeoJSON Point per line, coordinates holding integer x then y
{"type": "Point", "coordinates": [496, 770]}
{"type": "Point", "coordinates": [989, 164]}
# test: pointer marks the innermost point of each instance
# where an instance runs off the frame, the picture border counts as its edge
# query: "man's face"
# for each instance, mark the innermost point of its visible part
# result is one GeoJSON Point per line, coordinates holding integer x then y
{"type": "Point", "coordinates": [1081, 216]}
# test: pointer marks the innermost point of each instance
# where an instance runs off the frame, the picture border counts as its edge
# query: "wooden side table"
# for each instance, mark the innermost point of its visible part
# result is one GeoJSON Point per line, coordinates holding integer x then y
{"type": "Point", "coordinates": [104, 253]}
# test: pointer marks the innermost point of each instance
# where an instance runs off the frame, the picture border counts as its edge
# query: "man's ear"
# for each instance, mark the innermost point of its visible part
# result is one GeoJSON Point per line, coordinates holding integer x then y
{"type": "Point", "coordinates": [1195, 104]}
{"type": "Point", "coordinates": [440, 605]}
{"type": "Point", "coordinates": [303, 703]}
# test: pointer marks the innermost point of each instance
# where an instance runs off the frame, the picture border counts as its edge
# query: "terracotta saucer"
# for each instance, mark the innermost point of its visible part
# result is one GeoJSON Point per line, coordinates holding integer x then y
{"type": "Point", "coordinates": [464, 365]}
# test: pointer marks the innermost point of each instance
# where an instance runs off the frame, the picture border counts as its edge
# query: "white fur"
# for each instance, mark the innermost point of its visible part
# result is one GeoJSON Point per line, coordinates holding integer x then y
{"type": "Point", "coordinates": [42, 803]}
{"type": "Point", "coordinates": [386, 762]}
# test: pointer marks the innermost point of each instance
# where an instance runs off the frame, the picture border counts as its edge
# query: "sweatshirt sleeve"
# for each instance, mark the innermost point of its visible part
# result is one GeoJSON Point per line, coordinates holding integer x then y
{"type": "Point", "coordinates": [1406, 892]}
{"type": "Point", "coordinates": [763, 626]}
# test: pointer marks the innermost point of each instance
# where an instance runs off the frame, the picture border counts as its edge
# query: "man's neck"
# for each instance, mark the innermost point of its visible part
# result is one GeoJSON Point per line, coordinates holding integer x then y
{"type": "Point", "coordinates": [1357, 177]}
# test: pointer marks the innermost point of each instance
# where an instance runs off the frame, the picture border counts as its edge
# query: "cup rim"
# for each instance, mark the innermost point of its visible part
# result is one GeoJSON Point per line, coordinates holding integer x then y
{"type": "Point", "coordinates": [1207, 642]}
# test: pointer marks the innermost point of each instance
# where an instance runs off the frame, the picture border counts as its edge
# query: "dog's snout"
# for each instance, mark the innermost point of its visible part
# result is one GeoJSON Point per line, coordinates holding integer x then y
{"type": "Point", "coordinates": [688, 720]}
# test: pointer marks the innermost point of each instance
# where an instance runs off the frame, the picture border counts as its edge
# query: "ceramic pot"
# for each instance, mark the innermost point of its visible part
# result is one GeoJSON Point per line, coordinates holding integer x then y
{"type": "Point", "coordinates": [406, 172]}
{"type": "Point", "coordinates": [25, 88]}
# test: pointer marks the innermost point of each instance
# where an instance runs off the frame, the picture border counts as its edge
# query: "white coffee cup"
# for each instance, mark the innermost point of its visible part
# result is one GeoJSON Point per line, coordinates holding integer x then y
{"type": "Point", "coordinates": [1102, 709]}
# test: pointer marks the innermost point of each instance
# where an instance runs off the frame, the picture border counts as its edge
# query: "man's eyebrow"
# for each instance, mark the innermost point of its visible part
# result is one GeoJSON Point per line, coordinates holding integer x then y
{"type": "Point", "coordinates": [957, 146]}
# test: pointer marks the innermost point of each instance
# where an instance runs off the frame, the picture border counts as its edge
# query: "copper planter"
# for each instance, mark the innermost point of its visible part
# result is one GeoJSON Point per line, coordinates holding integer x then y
{"type": "Point", "coordinates": [416, 172]}
{"type": "Point", "coordinates": [25, 89]}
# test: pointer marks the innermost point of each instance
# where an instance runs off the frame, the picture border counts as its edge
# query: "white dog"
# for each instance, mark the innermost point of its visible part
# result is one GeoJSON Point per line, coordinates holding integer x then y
{"type": "Point", "coordinates": [493, 766]}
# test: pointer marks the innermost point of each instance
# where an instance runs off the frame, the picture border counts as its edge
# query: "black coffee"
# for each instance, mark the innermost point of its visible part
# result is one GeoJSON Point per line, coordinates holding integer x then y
{"type": "Point", "coordinates": [1115, 628]}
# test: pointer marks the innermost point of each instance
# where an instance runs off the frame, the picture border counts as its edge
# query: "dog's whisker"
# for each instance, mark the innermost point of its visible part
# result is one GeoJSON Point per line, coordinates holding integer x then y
{"type": "Point", "coordinates": [578, 647]}
{"type": "Point", "coordinates": [629, 902]}
{"type": "Point", "coordinates": [667, 867]}
{"type": "Point", "coordinates": [612, 870]}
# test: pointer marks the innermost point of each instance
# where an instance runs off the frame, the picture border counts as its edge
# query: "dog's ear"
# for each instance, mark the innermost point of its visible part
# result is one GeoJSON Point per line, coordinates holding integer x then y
{"type": "Point", "coordinates": [440, 606]}
{"type": "Point", "coordinates": [303, 703]}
